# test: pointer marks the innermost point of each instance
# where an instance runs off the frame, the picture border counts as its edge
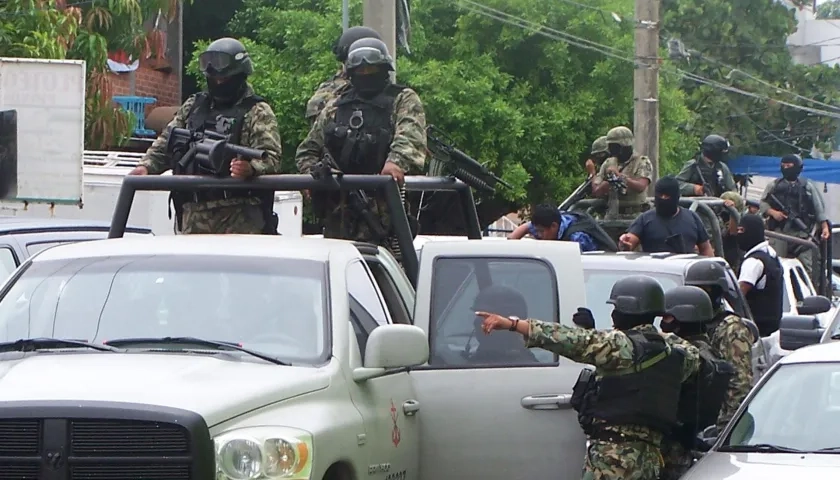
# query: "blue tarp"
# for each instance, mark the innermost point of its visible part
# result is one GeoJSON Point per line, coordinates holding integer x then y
{"type": "Point", "coordinates": [823, 171]}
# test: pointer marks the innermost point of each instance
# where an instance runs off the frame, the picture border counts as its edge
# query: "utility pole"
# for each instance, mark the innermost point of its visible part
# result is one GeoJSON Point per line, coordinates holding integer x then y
{"type": "Point", "coordinates": [646, 82]}
{"type": "Point", "coordinates": [381, 15]}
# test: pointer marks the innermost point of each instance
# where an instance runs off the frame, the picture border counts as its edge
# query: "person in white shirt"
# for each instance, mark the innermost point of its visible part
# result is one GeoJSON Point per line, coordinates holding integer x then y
{"type": "Point", "coordinates": [761, 278]}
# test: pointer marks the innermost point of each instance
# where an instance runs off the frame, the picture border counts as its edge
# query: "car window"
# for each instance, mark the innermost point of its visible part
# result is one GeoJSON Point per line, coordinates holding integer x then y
{"type": "Point", "coordinates": [276, 306]}
{"type": "Point", "coordinates": [804, 282]}
{"type": "Point", "coordinates": [8, 263]}
{"type": "Point", "coordinates": [798, 407]}
{"type": "Point", "coordinates": [35, 247]}
{"type": "Point", "coordinates": [360, 287]}
{"type": "Point", "coordinates": [526, 288]}
{"type": "Point", "coordinates": [599, 283]}
{"type": "Point", "coordinates": [797, 287]}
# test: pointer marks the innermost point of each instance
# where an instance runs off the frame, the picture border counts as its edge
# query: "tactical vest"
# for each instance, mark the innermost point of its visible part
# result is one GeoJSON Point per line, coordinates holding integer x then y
{"type": "Point", "coordinates": [229, 121]}
{"type": "Point", "coordinates": [702, 397]}
{"type": "Point", "coordinates": [583, 222]}
{"type": "Point", "coordinates": [359, 136]}
{"type": "Point", "coordinates": [766, 303]}
{"type": "Point", "coordinates": [795, 197]}
{"type": "Point", "coordinates": [645, 395]}
{"type": "Point", "coordinates": [710, 175]}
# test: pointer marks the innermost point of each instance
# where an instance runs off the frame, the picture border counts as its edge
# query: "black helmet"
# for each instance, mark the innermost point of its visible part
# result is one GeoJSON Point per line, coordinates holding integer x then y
{"type": "Point", "coordinates": [706, 273]}
{"type": "Point", "coordinates": [342, 45]}
{"type": "Point", "coordinates": [225, 57]}
{"type": "Point", "coordinates": [793, 172]}
{"type": "Point", "coordinates": [368, 51]}
{"type": "Point", "coordinates": [715, 147]}
{"type": "Point", "coordinates": [689, 305]}
{"type": "Point", "coordinates": [638, 295]}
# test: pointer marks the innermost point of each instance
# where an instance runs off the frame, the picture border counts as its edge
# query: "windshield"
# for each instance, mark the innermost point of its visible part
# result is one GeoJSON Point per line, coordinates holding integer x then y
{"type": "Point", "coordinates": [798, 407]}
{"type": "Point", "coordinates": [599, 283]}
{"type": "Point", "coordinates": [273, 306]}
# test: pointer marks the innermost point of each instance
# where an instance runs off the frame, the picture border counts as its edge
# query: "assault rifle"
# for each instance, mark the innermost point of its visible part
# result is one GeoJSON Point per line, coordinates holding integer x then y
{"type": "Point", "coordinates": [207, 153]}
{"type": "Point", "coordinates": [359, 202]}
{"type": "Point", "coordinates": [707, 190]}
{"type": "Point", "coordinates": [457, 164]}
{"type": "Point", "coordinates": [795, 220]}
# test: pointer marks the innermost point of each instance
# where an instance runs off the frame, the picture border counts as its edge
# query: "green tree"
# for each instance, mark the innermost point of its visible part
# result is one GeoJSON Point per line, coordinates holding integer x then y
{"type": "Point", "coordinates": [85, 30]}
{"type": "Point", "coordinates": [527, 104]}
{"type": "Point", "coordinates": [829, 10]}
{"type": "Point", "coordinates": [743, 44]}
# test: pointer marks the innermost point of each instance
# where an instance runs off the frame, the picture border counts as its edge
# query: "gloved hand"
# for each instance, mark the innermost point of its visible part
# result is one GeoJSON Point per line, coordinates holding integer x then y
{"type": "Point", "coordinates": [583, 318]}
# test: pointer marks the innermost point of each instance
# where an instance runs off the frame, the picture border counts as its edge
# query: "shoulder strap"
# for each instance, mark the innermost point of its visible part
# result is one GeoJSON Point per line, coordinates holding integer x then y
{"type": "Point", "coordinates": [247, 104]}
{"type": "Point", "coordinates": [199, 100]}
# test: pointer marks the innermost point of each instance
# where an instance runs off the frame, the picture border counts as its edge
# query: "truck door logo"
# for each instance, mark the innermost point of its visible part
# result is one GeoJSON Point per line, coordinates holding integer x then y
{"type": "Point", "coordinates": [395, 433]}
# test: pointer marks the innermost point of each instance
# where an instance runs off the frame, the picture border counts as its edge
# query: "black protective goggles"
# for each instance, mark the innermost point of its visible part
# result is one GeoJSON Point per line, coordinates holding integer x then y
{"type": "Point", "coordinates": [367, 56]}
{"type": "Point", "coordinates": [215, 63]}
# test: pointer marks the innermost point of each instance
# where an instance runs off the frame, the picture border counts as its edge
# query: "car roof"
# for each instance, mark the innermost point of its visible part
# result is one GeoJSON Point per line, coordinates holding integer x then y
{"type": "Point", "coordinates": [823, 352]}
{"type": "Point", "coordinates": [226, 245]}
{"type": "Point", "coordinates": [18, 225]}
{"type": "Point", "coordinates": [674, 263]}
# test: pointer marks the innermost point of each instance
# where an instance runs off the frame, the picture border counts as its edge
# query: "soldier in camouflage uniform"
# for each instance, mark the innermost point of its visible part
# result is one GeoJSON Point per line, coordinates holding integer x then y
{"type": "Point", "coordinates": [229, 107]}
{"type": "Point", "coordinates": [729, 228]}
{"type": "Point", "coordinates": [374, 127]}
{"type": "Point", "coordinates": [339, 82]}
{"type": "Point", "coordinates": [730, 335]}
{"type": "Point", "coordinates": [632, 398]}
{"type": "Point", "coordinates": [597, 156]}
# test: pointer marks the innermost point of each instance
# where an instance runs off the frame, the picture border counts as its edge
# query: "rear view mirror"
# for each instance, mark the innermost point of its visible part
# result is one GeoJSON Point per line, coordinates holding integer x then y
{"type": "Point", "coordinates": [813, 305]}
{"type": "Point", "coordinates": [797, 331]}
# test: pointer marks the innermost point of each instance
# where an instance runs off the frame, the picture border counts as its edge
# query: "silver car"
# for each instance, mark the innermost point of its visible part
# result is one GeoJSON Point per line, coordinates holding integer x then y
{"type": "Point", "coordinates": [787, 427]}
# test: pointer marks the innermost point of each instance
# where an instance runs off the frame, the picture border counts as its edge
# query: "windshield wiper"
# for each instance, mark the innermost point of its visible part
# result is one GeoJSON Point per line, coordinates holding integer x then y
{"type": "Point", "coordinates": [836, 336]}
{"type": "Point", "coordinates": [759, 448]}
{"type": "Point", "coordinates": [35, 344]}
{"type": "Point", "coordinates": [198, 342]}
{"type": "Point", "coordinates": [828, 450]}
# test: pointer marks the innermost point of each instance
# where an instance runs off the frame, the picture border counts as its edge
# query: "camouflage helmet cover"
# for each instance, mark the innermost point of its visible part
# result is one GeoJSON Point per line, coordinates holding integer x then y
{"type": "Point", "coordinates": [621, 135]}
{"type": "Point", "coordinates": [599, 146]}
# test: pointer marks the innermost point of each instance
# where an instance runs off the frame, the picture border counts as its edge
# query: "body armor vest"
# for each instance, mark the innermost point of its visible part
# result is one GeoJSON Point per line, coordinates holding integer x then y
{"type": "Point", "coordinates": [359, 136]}
{"type": "Point", "coordinates": [702, 397]}
{"type": "Point", "coordinates": [645, 395]}
{"type": "Point", "coordinates": [794, 196]}
{"type": "Point", "coordinates": [766, 304]}
{"type": "Point", "coordinates": [709, 175]}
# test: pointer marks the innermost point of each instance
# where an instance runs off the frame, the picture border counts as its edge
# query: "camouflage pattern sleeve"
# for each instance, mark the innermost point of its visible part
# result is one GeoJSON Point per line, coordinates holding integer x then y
{"type": "Point", "coordinates": [643, 169]}
{"type": "Point", "coordinates": [733, 340]}
{"type": "Point", "coordinates": [261, 132]}
{"type": "Point", "coordinates": [605, 349]}
{"type": "Point", "coordinates": [156, 160]}
{"type": "Point", "coordinates": [599, 177]}
{"type": "Point", "coordinates": [325, 92]}
{"type": "Point", "coordinates": [310, 150]}
{"type": "Point", "coordinates": [408, 149]}
{"type": "Point", "coordinates": [691, 355]}
{"type": "Point", "coordinates": [686, 180]}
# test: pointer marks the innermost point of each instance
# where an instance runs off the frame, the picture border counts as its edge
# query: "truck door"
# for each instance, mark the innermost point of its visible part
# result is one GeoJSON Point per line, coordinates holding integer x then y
{"type": "Point", "coordinates": [493, 409]}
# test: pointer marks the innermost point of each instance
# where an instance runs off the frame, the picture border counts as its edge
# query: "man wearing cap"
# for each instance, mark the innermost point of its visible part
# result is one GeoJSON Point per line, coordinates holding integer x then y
{"type": "Point", "coordinates": [373, 127]}
{"type": "Point", "coordinates": [231, 108]}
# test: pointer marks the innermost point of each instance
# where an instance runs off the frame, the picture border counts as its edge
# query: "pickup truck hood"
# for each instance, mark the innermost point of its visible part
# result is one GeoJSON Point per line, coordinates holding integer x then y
{"type": "Point", "coordinates": [767, 466]}
{"type": "Point", "coordinates": [216, 387]}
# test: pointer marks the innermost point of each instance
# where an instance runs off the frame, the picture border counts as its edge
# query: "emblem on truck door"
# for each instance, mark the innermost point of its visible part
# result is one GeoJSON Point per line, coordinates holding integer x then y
{"type": "Point", "coordinates": [395, 433]}
{"type": "Point", "coordinates": [54, 459]}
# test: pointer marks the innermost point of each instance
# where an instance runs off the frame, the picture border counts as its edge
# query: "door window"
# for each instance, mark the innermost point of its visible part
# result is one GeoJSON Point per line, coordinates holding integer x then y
{"type": "Point", "coordinates": [8, 263]}
{"type": "Point", "coordinates": [366, 310]}
{"type": "Point", "coordinates": [526, 288]}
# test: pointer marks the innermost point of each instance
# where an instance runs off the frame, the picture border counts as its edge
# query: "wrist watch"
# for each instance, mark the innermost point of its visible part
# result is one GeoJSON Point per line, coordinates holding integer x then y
{"type": "Point", "coordinates": [515, 323]}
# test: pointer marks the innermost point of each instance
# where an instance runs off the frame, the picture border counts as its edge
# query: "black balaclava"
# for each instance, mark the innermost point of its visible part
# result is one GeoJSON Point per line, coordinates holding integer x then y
{"type": "Point", "coordinates": [715, 293]}
{"type": "Point", "coordinates": [372, 84]}
{"type": "Point", "coordinates": [753, 233]}
{"type": "Point", "coordinates": [626, 321]}
{"type": "Point", "coordinates": [621, 152]}
{"type": "Point", "coordinates": [230, 91]}
{"type": "Point", "coordinates": [791, 173]}
{"type": "Point", "coordinates": [684, 330]}
{"type": "Point", "coordinates": [667, 207]}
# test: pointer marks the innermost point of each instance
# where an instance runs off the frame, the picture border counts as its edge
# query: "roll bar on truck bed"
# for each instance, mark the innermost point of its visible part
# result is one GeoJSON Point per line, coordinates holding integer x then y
{"type": "Point", "coordinates": [289, 182]}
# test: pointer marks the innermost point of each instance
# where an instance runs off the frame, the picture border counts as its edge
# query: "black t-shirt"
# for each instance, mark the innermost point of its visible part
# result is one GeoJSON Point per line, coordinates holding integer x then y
{"type": "Point", "coordinates": [678, 234]}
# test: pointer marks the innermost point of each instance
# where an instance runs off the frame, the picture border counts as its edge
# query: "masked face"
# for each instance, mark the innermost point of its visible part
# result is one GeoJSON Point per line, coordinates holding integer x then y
{"type": "Point", "coordinates": [666, 206]}
{"type": "Point", "coordinates": [226, 89]}
{"type": "Point", "coordinates": [620, 152]}
{"type": "Point", "coordinates": [790, 171]}
{"type": "Point", "coordinates": [750, 232]}
{"type": "Point", "coordinates": [669, 324]}
{"type": "Point", "coordinates": [369, 81]}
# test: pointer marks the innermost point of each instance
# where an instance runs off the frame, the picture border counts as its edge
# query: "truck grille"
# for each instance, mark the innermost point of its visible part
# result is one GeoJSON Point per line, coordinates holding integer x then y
{"type": "Point", "coordinates": [103, 441]}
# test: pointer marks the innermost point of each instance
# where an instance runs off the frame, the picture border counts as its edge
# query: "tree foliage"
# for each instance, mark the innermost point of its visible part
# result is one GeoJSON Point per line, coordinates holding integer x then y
{"type": "Point", "coordinates": [86, 30]}
{"type": "Point", "coordinates": [528, 105]}
{"type": "Point", "coordinates": [828, 10]}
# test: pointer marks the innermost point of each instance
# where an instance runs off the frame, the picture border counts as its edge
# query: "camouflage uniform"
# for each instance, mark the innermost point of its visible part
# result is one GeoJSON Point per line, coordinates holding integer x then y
{"type": "Point", "coordinates": [326, 91]}
{"type": "Point", "coordinates": [231, 215]}
{"type": "Point", "coordinates": [611, 351]}
{"type": "Point", "coordinates": [733, 340]}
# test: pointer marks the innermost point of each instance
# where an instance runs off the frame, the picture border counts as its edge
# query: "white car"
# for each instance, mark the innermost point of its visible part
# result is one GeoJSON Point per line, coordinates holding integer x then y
{"type": "Point", "coordinates": [788, 425]}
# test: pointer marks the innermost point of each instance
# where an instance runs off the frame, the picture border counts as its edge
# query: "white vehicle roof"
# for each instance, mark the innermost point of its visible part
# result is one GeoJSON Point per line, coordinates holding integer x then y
{"type": "Point", "coordinates": [824, 352]}
{"type": "Point", "coordinates": [228, 245]}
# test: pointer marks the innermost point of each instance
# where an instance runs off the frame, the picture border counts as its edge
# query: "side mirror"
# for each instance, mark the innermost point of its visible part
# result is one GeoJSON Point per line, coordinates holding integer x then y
{"type": "Point", "coordinates": [707, 438]}
{"type": "Point", "coordinates": [797, 331]}
{"type": "Point", "coordinates": [391, 347]}
{"type": "Point", "coordinates": [813, 305]}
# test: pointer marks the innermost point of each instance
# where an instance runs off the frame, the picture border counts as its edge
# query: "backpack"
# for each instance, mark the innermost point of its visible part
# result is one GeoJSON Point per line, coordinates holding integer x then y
{"type": "Point", "coordinates": [584, 222]}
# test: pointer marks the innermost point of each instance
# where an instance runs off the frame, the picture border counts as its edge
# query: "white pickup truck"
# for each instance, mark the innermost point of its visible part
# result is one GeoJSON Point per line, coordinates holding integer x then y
{"type": "Point", "coordinates": [235, 357]}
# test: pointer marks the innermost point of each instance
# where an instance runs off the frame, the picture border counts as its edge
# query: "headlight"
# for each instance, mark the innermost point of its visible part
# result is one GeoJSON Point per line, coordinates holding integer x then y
{"type": "Point", "coordinates": [267, 453]}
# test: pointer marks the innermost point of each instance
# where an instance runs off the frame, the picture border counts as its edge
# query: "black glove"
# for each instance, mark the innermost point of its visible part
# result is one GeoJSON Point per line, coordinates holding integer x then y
{"type": "Point", "coordinates": [583, 318]}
